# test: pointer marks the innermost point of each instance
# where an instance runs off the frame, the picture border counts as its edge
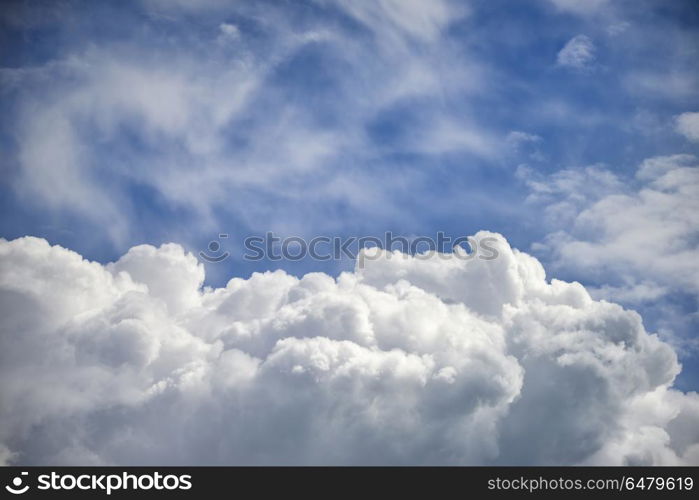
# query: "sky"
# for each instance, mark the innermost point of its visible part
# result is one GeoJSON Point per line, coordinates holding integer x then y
{"type": "Point", "coordinates": [135, 133]}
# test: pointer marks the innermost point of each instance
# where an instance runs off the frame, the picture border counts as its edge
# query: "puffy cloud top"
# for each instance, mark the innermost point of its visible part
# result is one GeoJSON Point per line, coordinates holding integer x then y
{"type": "Point", "coordinates": [404, 361]}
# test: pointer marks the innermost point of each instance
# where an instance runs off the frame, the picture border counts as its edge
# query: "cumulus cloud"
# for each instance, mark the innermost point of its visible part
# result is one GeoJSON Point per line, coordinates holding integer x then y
{"type": "Point", "coordinates": [439, 361]}
{"type": "Point", "coordinates": [577, 53]}
{"type": "Point", "coordinates": [640, 228]}
{"type": "Point", "coordinates": [687, 124]}
{"type": "Point", "coordinates": [633, 240]}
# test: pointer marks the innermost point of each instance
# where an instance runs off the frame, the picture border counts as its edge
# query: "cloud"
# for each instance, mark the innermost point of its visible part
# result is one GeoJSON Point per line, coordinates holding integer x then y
{"type": "Point", "coordinates": [577, 7]}
{"type": "Point", "coordinates": [228, 32]}
{"type": "Point", "coordinates": [517, 137]}
{"type": "Point", "coordinates": [169, 7]}
{"type": "Point", "coordinates": [645, 228]}
{"type": "Point", "coordinates": [396, 18]}
{"type": "Point", "coordinates": [68, 137]}
{"type": "Point", "coordinates": [439, 361]}
{"type": "Point", "coordinates": [687, 124]}
{"type": "Point", "coordinates": [617, 29]}
{"type": "Point", "coordinates": [566, 192]}
{"type": "Point", "coordinates": [675, 84]}
{"type": "Point", "coordinates": [632, 240]}
{"type": "Point", "coordinates": [577, 53]}
{"type": "Point", "coordinates": [192, 119]}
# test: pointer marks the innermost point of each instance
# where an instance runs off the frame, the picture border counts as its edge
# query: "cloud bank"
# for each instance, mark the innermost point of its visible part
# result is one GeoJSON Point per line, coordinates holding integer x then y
{"type": "Point", "coordinates": [406, 361]}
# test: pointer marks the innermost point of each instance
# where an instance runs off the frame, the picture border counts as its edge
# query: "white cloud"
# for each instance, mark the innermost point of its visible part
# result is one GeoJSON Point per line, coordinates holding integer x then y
{"type": "Point", "coordinates": [445, 136]}
{"type": "Point", "coordinates": [617, 29]}
{"type": "Point", "coordinates": [404, 361]}
{"type": "Point", "coordinates": [194, 120]}
{"type": "Point", "coordinates": [58, 131]}
{"type": "Point", "coordinates": [584, 7]}
{"type": "Point", "coordinates": [168, 7]}
{"type": "Point", "coordinates": [517, 137]}
{"type": "Point", "coordinates": [674, 83]}
{"type": "Point", "coordinates": [633, 240]}
{"type": "Point", "coordinates": [566, 192]}
{"type": "Point", "coordinates": [578, 53]}
{"type": "Point", "coordinates": [627, 231]}
{"type": "Point", "coordinates": [519, 142]}
{"type": "Point", "coordinates": [687, 124]}
{"type": "Point", "coordinates": [228, 32]}
{"type": "Point", "coordinates": [395, 18]}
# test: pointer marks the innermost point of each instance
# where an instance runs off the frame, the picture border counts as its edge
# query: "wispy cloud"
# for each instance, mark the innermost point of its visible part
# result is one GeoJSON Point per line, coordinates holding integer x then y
{"type": "Point", "coordinates": [577, 53]}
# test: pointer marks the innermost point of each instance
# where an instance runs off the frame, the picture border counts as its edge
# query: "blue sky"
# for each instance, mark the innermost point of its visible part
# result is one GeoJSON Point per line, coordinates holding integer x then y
{"type": "Point", "coordinates": [148, 122]}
